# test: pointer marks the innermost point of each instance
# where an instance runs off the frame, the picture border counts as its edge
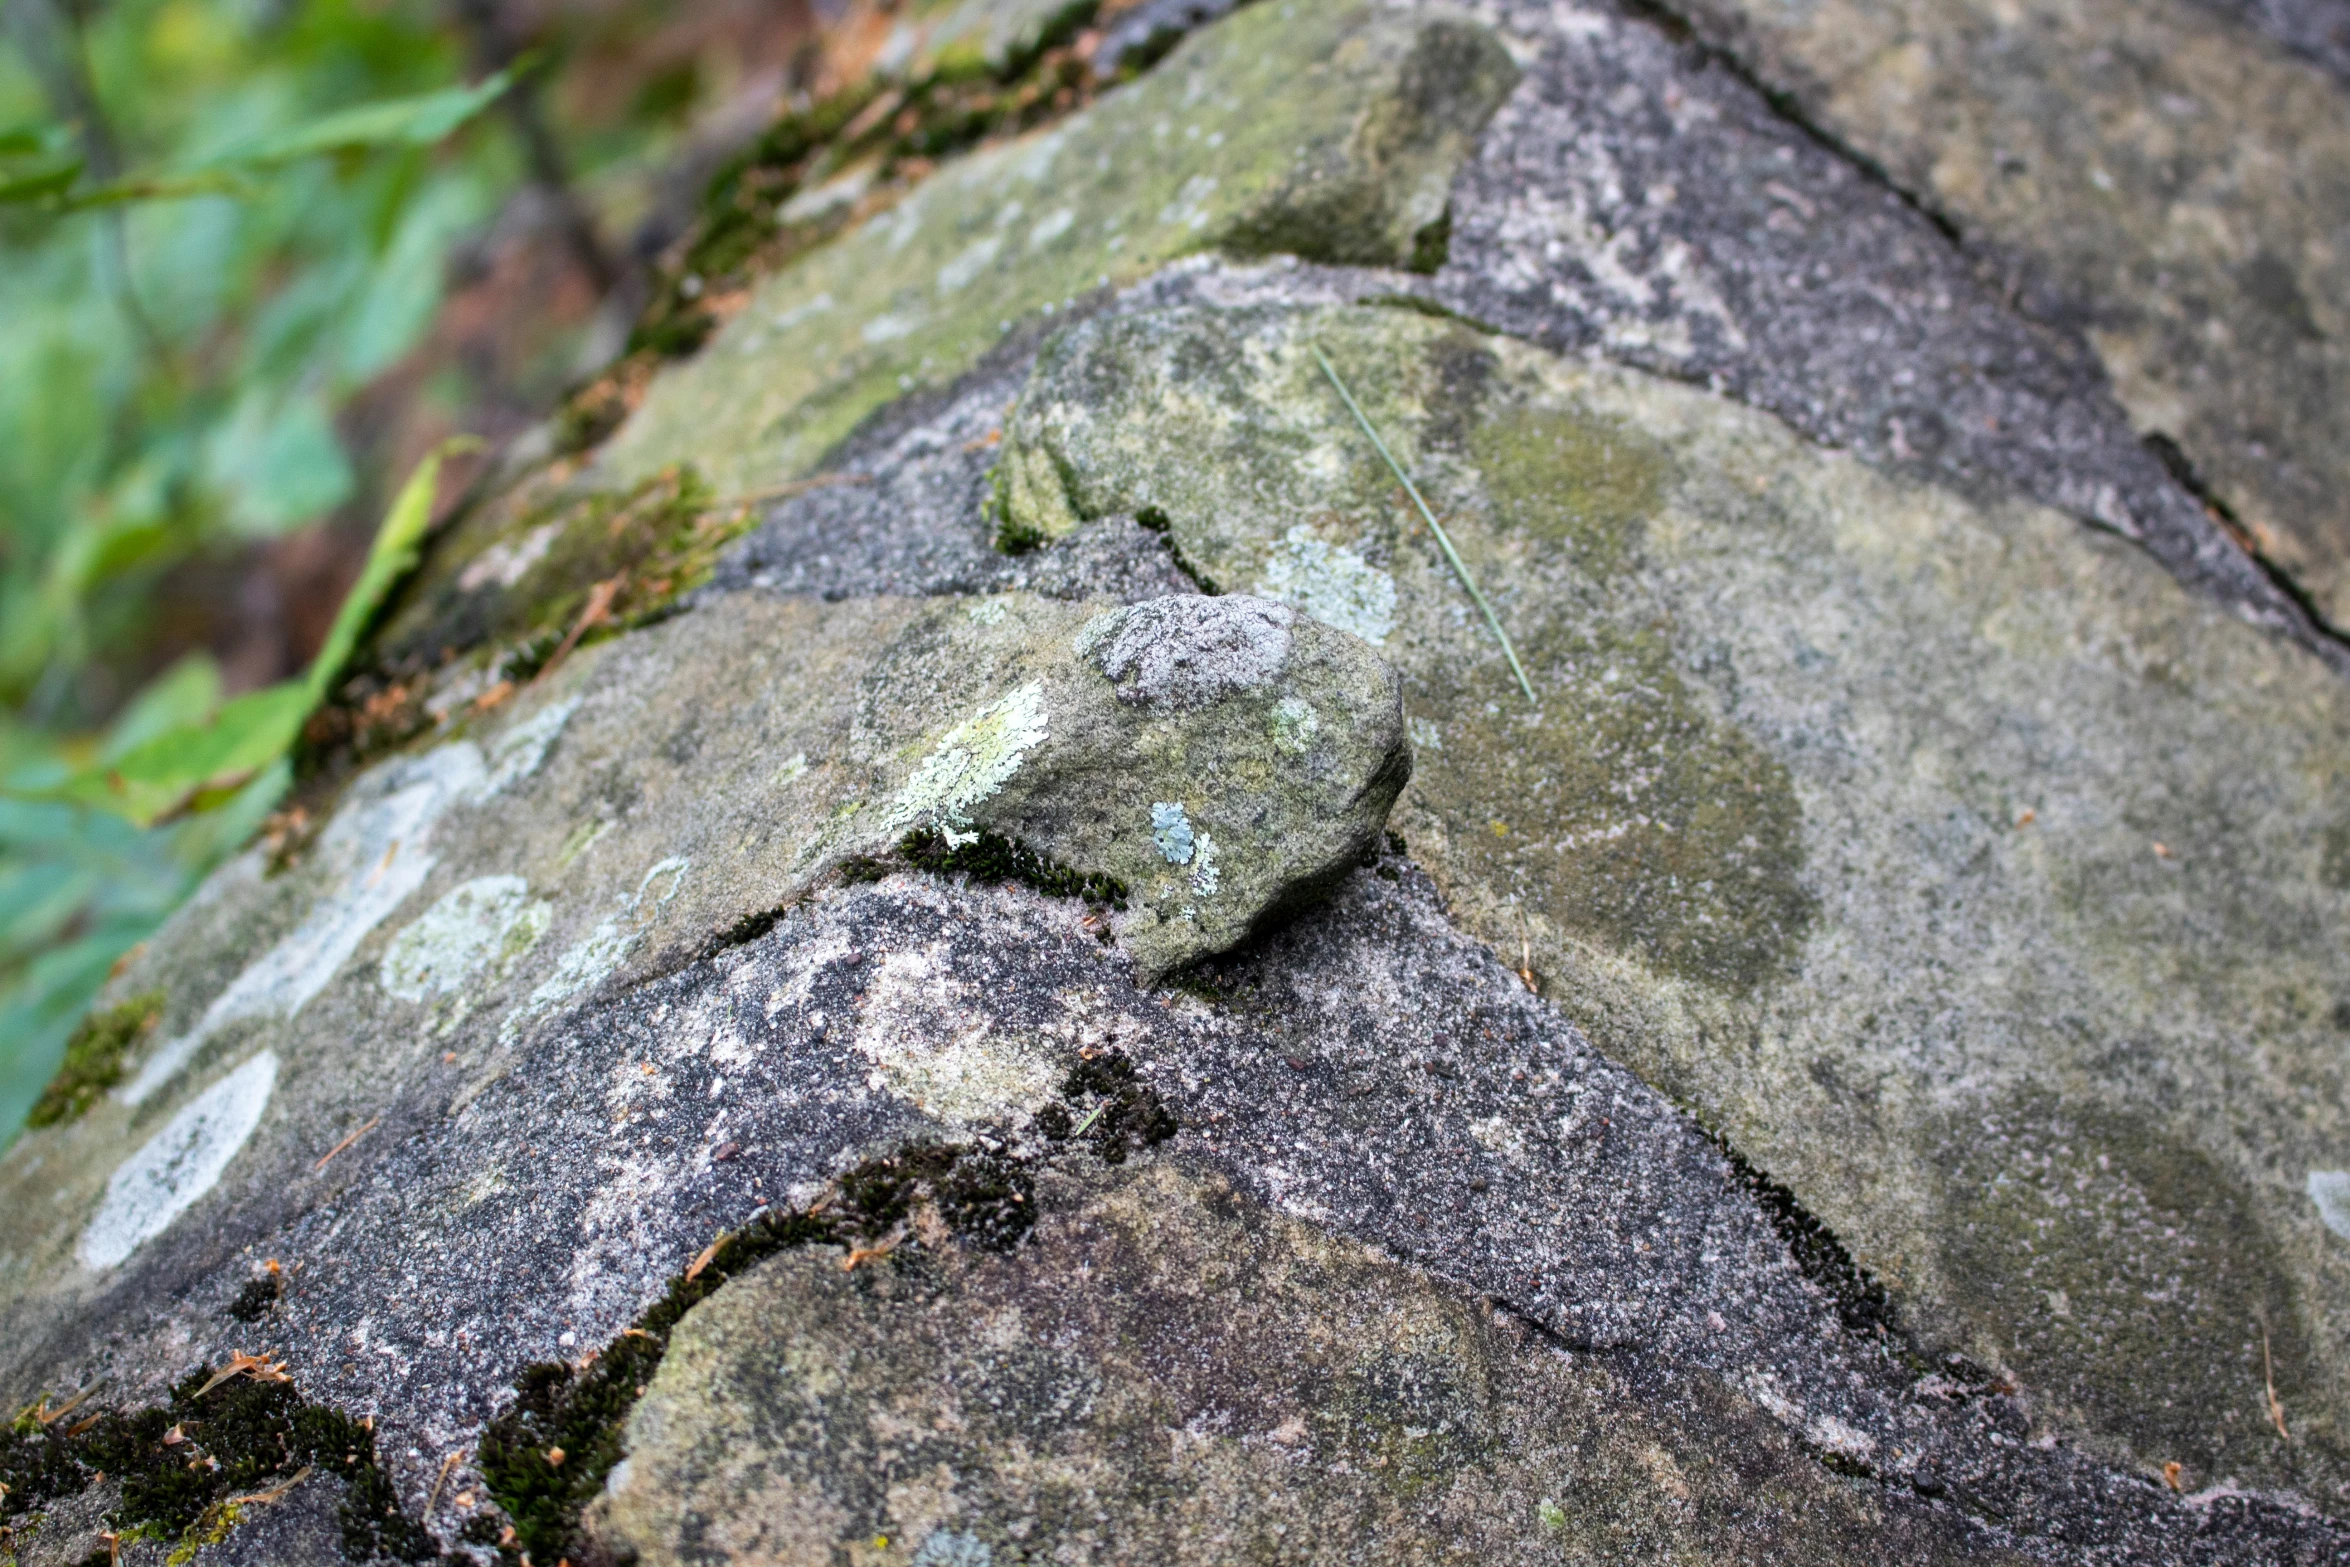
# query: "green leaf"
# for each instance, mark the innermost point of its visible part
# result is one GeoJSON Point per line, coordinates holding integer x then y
{"type": "Point", "coordinates": [182, 696]}
{"type": "Point", "coordinates": [159, 774]}
{"type": "Point", "coordinates": [393, 555]}
{"type": "Point", "coordinates": [244, 737]}
{"type": "Point", "coordinates": [18, 140]}
{"type": "Point", "coordinates": [417, 121]}
{"type": "Point", "coordinates": [41, 185]}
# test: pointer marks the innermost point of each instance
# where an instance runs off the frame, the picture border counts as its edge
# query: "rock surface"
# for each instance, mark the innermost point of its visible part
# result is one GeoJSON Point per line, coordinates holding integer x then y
{"type": "Point", "coordinates": [1798, 829]}
{"type": "Point", "coordinates": [1851, 1070]}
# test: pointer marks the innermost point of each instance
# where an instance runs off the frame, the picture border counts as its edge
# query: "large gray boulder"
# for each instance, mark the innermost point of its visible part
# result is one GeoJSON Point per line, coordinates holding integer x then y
{"type": "Point", "coordinates": [967, 948]}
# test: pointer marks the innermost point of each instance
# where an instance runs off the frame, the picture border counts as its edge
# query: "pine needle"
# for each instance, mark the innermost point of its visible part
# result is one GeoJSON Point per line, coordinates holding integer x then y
{"type": "Point", "coordinates": [1460, 568]}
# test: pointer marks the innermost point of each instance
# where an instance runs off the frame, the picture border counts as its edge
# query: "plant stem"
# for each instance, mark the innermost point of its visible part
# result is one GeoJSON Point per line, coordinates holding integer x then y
{"type": "Point", "coordinates": [1443, 539]}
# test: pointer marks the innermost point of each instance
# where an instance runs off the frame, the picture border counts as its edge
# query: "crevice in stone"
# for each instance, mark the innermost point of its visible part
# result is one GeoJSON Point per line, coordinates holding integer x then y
{"type": "Point", "coordinates": [1682, 31]}
{"type": "Point", "coordinates": [546, 1458]}
{"type": "Point", "coordinates": [2184, 473]}
{"type": "Point", "coordinates": [2292, 612]}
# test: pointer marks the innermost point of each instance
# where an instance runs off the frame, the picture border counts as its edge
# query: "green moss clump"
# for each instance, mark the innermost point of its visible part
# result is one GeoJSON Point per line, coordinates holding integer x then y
{"type": "Point", "coordinates": [1628, 811]}
{"type": "Point", "coordinates": [180, 1465]}
{"type": "Point", "coordinates": [898, 131]}
{"type": "Point", "coordinates": [547, 1457]}
{"type": "Point", "coordinates": [991, 858]}
{"type": "Point", "coordinates": [1125, 1115]}
{"type": "Point", "coordinates": [94, 1059]}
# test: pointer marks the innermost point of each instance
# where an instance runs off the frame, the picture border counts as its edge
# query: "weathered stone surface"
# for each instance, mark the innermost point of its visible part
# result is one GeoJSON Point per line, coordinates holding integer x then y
{"type": "Point", "coordinates": [1950, 860]}
{"type": "Point", "coordinates": [2168, 185]}
{"type": "Point", "coordinates": [593, 973]}
{"type": "Point", "coordinates": [1166, 1372]}
{"type": "Point", "coordinates": [1221, 757]}
{"type": "Point", "coordinates": [1330, 128]}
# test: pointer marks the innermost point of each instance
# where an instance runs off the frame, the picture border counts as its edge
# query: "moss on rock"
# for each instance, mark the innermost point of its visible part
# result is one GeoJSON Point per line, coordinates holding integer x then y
{"type": "Point", "coordinates": [1332, 127]}
{"type": "Point", "coordinates": [1166, 1371]}
{"type": "Point", "coordinates": [1836, 816]}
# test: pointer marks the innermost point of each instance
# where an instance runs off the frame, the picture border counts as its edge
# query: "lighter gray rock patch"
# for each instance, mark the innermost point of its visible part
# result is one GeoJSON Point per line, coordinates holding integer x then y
{"type": "Point", "coordinates": [1183, 653]}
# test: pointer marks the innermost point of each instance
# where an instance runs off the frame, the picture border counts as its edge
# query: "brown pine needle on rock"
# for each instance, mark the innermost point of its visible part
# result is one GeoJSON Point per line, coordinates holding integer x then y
{"type": "Point", "coordinates": [1444, 539]}
{"type": "Point", "coordinates": [259, 1367]}
{"type": "Point", "coordinates": [327, 1158]}
{"type": "Point", "coordinates": [276, 1493]}
{"type": "Point", "coordinates": [2268, 1372]}
{"type": "Point", "coordinates": [442, 1479]}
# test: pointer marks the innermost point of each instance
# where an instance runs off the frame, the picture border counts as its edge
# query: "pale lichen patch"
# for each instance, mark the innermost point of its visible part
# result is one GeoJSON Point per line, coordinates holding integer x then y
{"type": "Point", "coordinates": [1332, 583]}
{"type": "Point", "coordinates": [483, 925]}
{"type": "Point", "coordinates": [929, 1043]}
{"type": "Point", "coordinates": [978, 757]}
{"type": "Point", "coordinates": [175, 1168]}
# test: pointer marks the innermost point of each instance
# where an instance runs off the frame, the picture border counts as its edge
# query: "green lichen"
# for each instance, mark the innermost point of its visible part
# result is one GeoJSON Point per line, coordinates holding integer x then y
{"type": "Point", "coordinates": [211, 1527]}
{"type": "Point", "coordinates": [94, 1059]}
{"type": "Point", "coordinates": [1623, 809]}
{"type": "Point", "coordinates": [2126, 1277]}
{"type": "Point", "coordinates": [975, 759]}
{"type": "Point", "coordinates": [1586, 482]}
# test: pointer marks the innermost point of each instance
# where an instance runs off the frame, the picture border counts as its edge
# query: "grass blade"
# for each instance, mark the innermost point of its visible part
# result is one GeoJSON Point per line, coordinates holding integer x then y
{"type": "Point", "coordinates": [1460, 568]}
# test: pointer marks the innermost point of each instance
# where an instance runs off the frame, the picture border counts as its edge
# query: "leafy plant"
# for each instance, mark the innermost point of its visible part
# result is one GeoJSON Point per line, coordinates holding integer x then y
{"type": "Point", "coordinates": [92, 858]}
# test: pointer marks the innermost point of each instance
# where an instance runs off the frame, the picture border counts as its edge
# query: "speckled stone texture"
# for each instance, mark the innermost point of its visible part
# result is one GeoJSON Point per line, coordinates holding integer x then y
{"type": "Point", "coordinates": [1852, 1071]}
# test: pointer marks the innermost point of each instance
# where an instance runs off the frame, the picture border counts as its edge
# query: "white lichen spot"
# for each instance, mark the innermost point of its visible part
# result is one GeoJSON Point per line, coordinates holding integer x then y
{"type": "Point", "coordinates": [507, 562]}
{"type": "Point", "coordinates": [976, 759]}
{"type": "Point", "coordinates": [1189, 209]}
{"type": "Point", "coordinates": [1331, 583]}
{"type": "Point", "coordinates": [1171, 831]}
{"type": "Point", "coordinates": [591, 959]}
{"type": "Point", "coordinates": [1051, 227]}
{"type": "Point", "coordinates": [931, 1041]}
{"type": "Point", "coordinates": [1425, 735]}
{"type": "Point", "coordinates": [483, 925]}
{"type": "Point", "coordinates": [2330, 1190]}
{"type": "Point", "coordinates": [179, 1164]}
{"type": "Point", "coordinates": [517, 753]}
{"type": "Point", "coordinates": [974, 259]}
{"type": "Point", "coordinates": [944, 1547]}
{"type": "Point", "coordinates": [784, 320]}
{"type": "Point", "coordinates": [1496, 1135]}
{"type": "Point", "coordinates": [377, 848]}
{"type": "Point", "coordinates": [1204, 876]}
{"type": "Point", "coordinates": [892, 326]}
{"type": "Point", "coordinates": [1295, 725]}
{"type": "Point", "coordinates": [988, 612]}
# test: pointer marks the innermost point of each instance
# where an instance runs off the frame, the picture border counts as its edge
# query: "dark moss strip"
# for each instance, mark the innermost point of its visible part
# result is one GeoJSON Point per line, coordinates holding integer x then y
{"type": "Point", "coordinates": [1861, 1300]}
{"type": "Point", "coordinates": [546, 1458]}
{"type": "Point", "coordinates": [993, 859]}
{"type": "Point", "coordinates": [177, 1462]}
{"type": "Point", "coordinates": [94, 1059]}
{"type": "Point", "coordinates": [989, 859]}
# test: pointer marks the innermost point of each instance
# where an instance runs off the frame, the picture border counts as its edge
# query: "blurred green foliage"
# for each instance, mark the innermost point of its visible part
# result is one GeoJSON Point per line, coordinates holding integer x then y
{"type": "Point", "coordinates": [218, 220]}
